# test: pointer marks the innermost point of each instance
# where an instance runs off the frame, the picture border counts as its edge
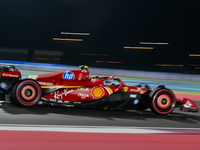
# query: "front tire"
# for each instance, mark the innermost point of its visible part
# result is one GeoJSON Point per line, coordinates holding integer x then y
{"type": "Point", "coordinates": [26, 92]}
{"type": "Point", "coordinates": [162, 101]}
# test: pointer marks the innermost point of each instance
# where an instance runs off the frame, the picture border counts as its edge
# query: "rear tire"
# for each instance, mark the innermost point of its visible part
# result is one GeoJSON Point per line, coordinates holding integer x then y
{"type": "Point", "coordinates": [26, 92]}
{"type": "Point", "coordinates": [162, 101]}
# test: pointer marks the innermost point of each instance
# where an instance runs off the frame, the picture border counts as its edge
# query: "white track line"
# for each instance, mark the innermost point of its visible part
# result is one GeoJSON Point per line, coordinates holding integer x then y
{"type": "Point", "coordinates": [86, 129]}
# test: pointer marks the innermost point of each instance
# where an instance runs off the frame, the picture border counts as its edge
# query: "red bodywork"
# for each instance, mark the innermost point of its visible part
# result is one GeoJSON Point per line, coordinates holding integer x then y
{"type": "Point", "coordinates": [79, 87]}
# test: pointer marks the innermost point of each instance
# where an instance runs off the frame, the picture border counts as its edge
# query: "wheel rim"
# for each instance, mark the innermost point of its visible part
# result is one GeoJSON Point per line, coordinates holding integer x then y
{"type": "Point", "coordinates": [164, 101]}
{"type": "Point", "coordinates": [28, 93]}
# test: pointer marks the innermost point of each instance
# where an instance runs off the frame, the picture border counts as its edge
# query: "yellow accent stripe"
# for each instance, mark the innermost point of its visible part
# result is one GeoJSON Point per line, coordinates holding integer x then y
{"type": "Point", "coordinates": [111, 91]}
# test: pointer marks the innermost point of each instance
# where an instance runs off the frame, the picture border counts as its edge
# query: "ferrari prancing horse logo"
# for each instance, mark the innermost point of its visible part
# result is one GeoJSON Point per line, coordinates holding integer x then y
{"type": "Point", "coordinates": [125, 89]}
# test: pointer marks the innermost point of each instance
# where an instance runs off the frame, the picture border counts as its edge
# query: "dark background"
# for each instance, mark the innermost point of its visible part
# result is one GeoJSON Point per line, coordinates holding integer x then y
{"type": "Point", "coordinates": [27, 29]}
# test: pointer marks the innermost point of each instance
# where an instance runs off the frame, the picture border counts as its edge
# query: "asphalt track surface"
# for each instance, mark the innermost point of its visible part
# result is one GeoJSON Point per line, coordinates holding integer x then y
{"type": "Point", "coordinates": [49, 115]}
{"type": "Point", "coordinates": [17, 129]}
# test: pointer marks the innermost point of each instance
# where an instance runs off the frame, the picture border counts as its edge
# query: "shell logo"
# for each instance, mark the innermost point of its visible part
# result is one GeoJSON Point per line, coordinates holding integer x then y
{"type": "Point", "coordinates": [3, 74]}
{"type": "Point", "coordinates": [97, 92]}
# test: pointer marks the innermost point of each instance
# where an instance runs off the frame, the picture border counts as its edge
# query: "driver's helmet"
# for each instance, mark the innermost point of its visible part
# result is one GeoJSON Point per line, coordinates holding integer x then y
{"type": "Point", "coordinates": [83, 67]}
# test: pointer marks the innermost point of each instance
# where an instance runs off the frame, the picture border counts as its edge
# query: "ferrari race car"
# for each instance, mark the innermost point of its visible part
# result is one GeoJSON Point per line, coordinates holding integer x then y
{"type": "Point", "coordinates": [76, 88]}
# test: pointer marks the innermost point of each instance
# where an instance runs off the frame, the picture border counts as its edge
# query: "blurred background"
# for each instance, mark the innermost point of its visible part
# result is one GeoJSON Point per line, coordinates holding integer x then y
{"type": "Point", "coordinates": [141, 41]}
{"type": "Point", "coordinates": [128, 34]}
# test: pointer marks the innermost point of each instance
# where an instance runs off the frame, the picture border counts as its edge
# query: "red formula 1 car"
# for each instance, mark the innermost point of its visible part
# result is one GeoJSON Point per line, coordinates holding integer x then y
{"type": "Point", "coordinates": [76, 89]}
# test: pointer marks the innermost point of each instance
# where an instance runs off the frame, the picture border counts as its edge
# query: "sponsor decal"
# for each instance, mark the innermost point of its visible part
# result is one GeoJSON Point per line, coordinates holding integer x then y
{"type": "Point", "coordinates": [51, 90]}
{"type": "Point", "coordinates": [83, 95]}
{"type": "Point", "coordinates": [58, 95]}
{"type": "Point", "coordinates": [132, 95]}
{"type": "Point", "coordinates": [134, 90]}
{"type": "Point", "coordinates": [97, 92]}
{"type": "Point", "coordinates": [85, 71]}
{"type": "Point", "coordinates": [10, 75]}
{"type": "Point", "coordinates": [83, 89]}
{"type": "Point", "coordinates": [68, 75]}
{"type": "Point", "coordinates": [77, 102]}
{"type": "Point", "coordinates": [45, 83]}
{"type": "Point", "coordinates": [33, 77]}
{"type": "Point", "coordinates": [93, 80]}
{"type": "Point", "coordinates": [136, 101]}
{"type": "Point", "coordinates": [3, 85]}
{"type": "Point", "coordinates": [125, 89]}
{"type": "Point", "coordinates": [53, 101]}
{"type": "Point", "coordinates": [80, 76]}
{"type": "Point", "coordinates": [63, 102]}
{"type": "Point", "coordinates": [141, 91]}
